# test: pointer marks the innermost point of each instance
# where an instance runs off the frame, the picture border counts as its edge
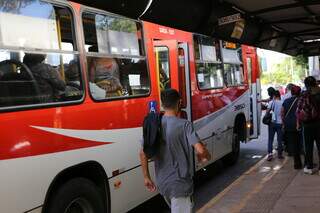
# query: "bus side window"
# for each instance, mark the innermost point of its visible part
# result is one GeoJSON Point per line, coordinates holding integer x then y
{"type": "Point", "coordinates": [208, 63]}
{"type": "Point", "coordinates": [234, 74]}
{"type": "Point", "coordinates": [115, 57]}
{"type": "Point", "coordinates": [51, 73]}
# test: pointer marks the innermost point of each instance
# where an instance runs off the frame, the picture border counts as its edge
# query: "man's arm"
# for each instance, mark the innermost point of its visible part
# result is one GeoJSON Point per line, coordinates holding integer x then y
{"type": "Point", "coordinates": [202, 152]}
{"type": "Point", "coordinates": [146, 175]}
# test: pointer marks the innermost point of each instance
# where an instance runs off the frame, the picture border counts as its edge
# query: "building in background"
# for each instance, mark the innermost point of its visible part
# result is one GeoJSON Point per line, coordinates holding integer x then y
{"type": "Point", "coordinates": [314, 68]}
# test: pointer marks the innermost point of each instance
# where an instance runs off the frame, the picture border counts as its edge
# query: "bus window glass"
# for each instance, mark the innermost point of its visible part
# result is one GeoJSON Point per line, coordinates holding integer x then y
{"type": "Point", "coordinates": [234, 74]}
{"type": "Point", "coordinates": [21, 21]}
{"type": "Point", "coordinates": [208, 49]}
{"type": "Point", "coordinates": [209, 75]}
{"type": "Point", "coordinates": [112, 35]}
{"type": "Point", "coordinates": [209, 66]}
{"type": "Point", "coordinates": [231, 53]}
{"type": "Point", "coordinates": [29, 76]}
{"type": "Point", "coordinates": [116, 63]}
{"type": "Point", "coordinates": [162, 55]}
{"type": "Point", "coordinates": [117, 77]}
{"type": "Point", "coordinates": [197, 48]}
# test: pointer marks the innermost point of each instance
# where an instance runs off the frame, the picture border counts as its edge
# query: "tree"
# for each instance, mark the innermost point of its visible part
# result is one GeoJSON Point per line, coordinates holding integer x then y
{"type": "Point", "coordinates": [14, 5]}
{"type": "Point", "coordinates": [123, 25]}
{"type": "Point", "coordinates": [290, 70]}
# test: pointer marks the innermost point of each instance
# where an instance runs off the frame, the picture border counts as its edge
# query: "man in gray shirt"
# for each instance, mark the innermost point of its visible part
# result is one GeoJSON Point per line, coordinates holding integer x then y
{"type": "Point", "coordinates": [173, 161]}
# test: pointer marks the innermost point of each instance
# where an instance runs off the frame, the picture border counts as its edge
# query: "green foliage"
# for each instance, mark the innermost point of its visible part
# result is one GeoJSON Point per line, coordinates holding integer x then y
{"type": "Point", "coordinates": [290, 70]}
{"type": "Point", "coordinates": [14, 5]}
{"type": "Point", "coordinates": [116, 24]}
{"type": "Point", "coordinates": [123, 25]}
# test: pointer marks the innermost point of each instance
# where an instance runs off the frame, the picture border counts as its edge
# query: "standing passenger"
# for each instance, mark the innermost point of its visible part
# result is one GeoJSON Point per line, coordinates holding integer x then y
{"type": "Point", "coordinates": [173, 161]}
{"type": "Point", "coordinates": [270, 91]}
{"type": "Point", "coordinates": [288, 93]}
{"type": "Point", "coordinates": [48, 79]}
{"type": "Point", "coordinates": [276, 125]}
{"type": "Point", "coordinates": [308, 113]}
{"type": "Point", "coordinates": [292, 135]}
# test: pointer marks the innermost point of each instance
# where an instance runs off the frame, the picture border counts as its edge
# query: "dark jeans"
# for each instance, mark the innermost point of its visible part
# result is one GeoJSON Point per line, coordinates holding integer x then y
{"type": "Point", "coordinates": [294, 142]}
{"type": "Point", "coordinates": [274, 128]}
{"type": "Point", "coordinates": [311, 133]}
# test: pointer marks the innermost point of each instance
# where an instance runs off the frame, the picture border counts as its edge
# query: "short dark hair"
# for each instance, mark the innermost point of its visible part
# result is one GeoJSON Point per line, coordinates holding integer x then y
{"type": "Point", "coordinates": [310, 81]}
{"type": "Point", "coordinates": [289, 86]}
{"type": "Point", "coordinates": [295, 90]}
{"type": "Point", "coordinates": [271, 91]}
{"type": "Point", "coordinates": [277, 94]}
{"type": "Point", "coordinates": [31, 59]}
{"type": "Point", "coordinates": [170, 98]}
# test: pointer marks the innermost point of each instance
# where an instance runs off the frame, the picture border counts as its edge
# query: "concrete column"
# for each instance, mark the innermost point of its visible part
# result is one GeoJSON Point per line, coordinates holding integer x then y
{"type": "Point", "coordinates": [314, 67]}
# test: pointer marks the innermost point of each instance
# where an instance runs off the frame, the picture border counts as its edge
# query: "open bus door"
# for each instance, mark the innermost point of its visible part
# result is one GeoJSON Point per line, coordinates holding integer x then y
{"type": "Point", "coordinates": [253, 71]}
{"type": "Point", "coordinates": [173, 70]}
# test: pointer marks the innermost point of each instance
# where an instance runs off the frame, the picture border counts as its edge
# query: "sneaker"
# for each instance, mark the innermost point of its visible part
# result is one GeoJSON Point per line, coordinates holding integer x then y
{"type": "Point", "coordinates": [280, 157]}
{"type": "Point", "coordinates": [269, 157]}
{"type": "Point", "coordinates": [307, 171]}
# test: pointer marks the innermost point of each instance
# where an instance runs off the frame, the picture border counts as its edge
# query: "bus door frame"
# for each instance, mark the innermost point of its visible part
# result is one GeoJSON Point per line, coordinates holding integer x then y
{"type": "Point", "coordinates": [176, 60]}
{"type": "Point", "coordinates": [255, 95]}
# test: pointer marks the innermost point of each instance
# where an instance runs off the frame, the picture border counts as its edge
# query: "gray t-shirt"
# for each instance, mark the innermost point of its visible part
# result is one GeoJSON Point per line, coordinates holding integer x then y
{"type": "Point", "coordinates": [275, 106]}
{"type": "Point", "coordinates": [173, 163]}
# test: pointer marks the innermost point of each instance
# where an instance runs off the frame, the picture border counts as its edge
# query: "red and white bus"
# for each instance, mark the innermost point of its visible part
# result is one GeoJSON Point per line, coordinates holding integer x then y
{"type": "Point", "coordinates": [75, 85]}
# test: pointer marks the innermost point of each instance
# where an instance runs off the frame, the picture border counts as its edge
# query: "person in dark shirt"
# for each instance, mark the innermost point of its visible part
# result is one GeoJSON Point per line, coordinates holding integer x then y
{"type": "Point", "coordinates": [49, 80]}
{"type": "Point", "coordinates": [292, 135]}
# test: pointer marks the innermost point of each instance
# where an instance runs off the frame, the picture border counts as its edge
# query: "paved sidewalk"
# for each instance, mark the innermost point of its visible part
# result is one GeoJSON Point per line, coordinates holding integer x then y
{"type": "Point", "coordinates": [273, 187]}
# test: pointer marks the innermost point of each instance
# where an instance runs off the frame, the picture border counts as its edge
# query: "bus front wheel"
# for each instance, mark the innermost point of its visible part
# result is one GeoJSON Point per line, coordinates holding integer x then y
{"type": "Point", "coordinates": [77, 195]}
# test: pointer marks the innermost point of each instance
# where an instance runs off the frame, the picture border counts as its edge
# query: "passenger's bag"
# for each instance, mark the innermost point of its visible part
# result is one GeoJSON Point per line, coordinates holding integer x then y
{"type": "Point", "coordinates": [310, 110]}
{"type": "Point", "coordinates": [267, 118]}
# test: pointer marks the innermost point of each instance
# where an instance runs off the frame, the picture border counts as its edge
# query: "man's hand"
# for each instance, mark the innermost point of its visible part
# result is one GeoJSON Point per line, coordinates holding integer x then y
{"type": "Point", "coordinates": [145, 169]}
{"type": "Point", "coordinates": [149, 185]}
{"type": "Point", "coordinates": [203, 154]}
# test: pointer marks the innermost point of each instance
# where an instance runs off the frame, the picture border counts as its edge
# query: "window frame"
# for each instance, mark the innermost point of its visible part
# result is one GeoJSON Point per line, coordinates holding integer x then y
{"type": "Point", "coordinates": [239, 64]}
{"type": "Point", "coordinates": [210, 88]}
{"type": "Point", "coordinates": [65, 5]}
{"type": "Point", "coordinates": [200, 60]}
{"type": "Point", "coordinates": [225, 75]}
{"type": "Point", "coordinates": [86, 9]}
{"type": "Point", "coordinates": [169, 65]}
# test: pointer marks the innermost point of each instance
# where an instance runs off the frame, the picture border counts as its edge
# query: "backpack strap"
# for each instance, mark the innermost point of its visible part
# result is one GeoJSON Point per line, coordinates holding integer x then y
{"type": "Point", "coordinates": [160, 127]}
{"type": "Point", "coordinates": [290, 107]}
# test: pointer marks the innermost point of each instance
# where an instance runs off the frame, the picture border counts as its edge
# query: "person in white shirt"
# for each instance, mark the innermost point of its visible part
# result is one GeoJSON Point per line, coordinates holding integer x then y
{"type": "Point", "coordinates": [275, 107]}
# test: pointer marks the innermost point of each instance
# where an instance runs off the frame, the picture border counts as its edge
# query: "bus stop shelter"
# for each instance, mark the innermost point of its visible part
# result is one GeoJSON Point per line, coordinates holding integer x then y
{"type": "Point", "coordinates": [288, 26]}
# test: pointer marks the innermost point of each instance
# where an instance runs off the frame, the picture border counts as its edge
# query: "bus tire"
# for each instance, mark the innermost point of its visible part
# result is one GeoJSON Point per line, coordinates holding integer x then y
{"type": "Point", "coordinates": [77, 195]}
{"type": "Point", "coordinates": [233, 157]}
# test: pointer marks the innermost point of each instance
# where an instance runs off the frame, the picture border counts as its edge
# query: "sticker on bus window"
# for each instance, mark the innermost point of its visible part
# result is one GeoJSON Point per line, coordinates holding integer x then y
{"type": "Point", "coordinates": [200, 77]}
{"type": "Point", "coordinates": [134, 80]}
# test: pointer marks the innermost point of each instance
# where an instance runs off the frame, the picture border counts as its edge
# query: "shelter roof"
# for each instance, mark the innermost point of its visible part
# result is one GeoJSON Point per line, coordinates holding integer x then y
{"type": "Point", "coordinates": [288, 26]}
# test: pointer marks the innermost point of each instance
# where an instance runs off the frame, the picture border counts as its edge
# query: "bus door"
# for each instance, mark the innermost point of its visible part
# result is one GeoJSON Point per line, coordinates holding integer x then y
{"type": "Point", "coordinates": [255, 95]}
{"type": "Point", "coordinates": [173, 70]}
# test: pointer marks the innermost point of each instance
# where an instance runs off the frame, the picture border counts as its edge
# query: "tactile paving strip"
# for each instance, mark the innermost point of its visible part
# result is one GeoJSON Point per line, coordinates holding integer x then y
{"type": "Point", "coordinates": [264, 199]}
